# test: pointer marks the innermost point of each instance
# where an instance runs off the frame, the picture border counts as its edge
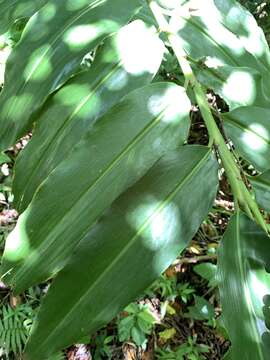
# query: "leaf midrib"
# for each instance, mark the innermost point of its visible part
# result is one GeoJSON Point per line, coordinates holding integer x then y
{"type": "Point", "coordinates": [236, 123]}
{"type": "Point", "coordinates": [206, 33]}
{"type": "Point", "coordinates": [54, 40]}
{"type": "Point", "coordinates": [47, 244]}
{"type": "Point", "coordinates": [145, 224]}
{"type": "Point", "coordinates": [49, 49]}
{"type": "Point", "coordinates": [62, 128]}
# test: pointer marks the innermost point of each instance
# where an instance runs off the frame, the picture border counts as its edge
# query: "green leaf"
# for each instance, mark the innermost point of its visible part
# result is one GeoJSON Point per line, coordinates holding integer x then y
{"type": "Point", "coordinates": [128, 60]}
{"type": "Point", "coordinates": [134, 242]}
{"type": "Point", "coordinates": [138, 336]}
{"type": "Point", "coordinates": [202, 309]}
{"type": "Point", "coordinates": [137, 132]}
{"type": "Point", "coordinates": [249, 129]}
{"type": "Point", "coordinates": [11, 10]}
{"type": "Point", "coordinates": [4, 158]}
{"type": "Point", "coordinates": [225, 80]}
{"type": "Point", "coordinates": [232, 36]}
{"type": "Point", "coordinates": [52, 46]}
{"type": "Point", "coordinates": [124, 327]}
{"type": "Point", "coordinates": [226, 38]}
{"type": "Point", "coordinates": [261, 185]}
{"type": "Point", "coordinates": [207, 271]}
{"type": "Point", "coordinates": [245, 288]}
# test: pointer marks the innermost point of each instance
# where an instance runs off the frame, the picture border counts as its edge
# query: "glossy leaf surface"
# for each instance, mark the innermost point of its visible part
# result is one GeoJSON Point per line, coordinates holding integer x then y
{"type": "Point", "coordinates": [137, 132]}
{"type": "Point", "coordinates": [128, 60]}
{"type": "Point", "coordinates": [217, 33]}
{"type": "Point", "coordinates": [238, 86]}
{"type": "Point", "coordinates": [261, 186]}
{"type": "Point", "coordinates": [50, 50]}
{"type": "Point", "coordinates": [11, 10]}
{"type": "Point", "coordinates": [245, 288]}
{"type": "Point", "coordinates": [249, 129]}
{"type": "Point", "coordinates": [134, 242]}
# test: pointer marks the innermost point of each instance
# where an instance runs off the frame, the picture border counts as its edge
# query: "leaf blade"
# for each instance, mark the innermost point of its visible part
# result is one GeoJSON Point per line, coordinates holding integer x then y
{"type": "Point", "coordinates": [261, 186]}
{"type": "Point", "coordinates": [117, 70]}
{"type": "Point", "coordinates": [51, 49]}
{"type": "Point", "coordinates": [140, 129]}
{"type": "Point", "coordinates": [248, 128]}
{"type": "Point", "coordinates": [118, 257]}
{"type": "Point", "coordinates": [244, 287]}
{"type": "Point", "coordinates": [11, 11]}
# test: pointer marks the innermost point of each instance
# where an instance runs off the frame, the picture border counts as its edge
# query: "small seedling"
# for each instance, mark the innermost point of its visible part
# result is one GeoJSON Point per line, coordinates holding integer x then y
{"type": "Point", "coordinates": [189, 350]}
{"type": "Point", "coordinates": [137, 325]}
{"type": "Point", "coordinates": [202, 310]}
{"type": "Point", "coordinates": [15, 325]}
{"type": "Point", "coordinates": [103, 343]}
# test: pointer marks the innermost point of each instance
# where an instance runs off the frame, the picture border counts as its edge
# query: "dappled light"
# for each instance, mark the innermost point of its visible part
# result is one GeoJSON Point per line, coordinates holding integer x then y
{"type": "Point", "coordinates": [240, 86]}
{"type": "Point", "coordinates": [50, 13]}
{"type": "Point", "coordinates": [154, 229]}
{"type": "Point", "coordinates": [141, 130]}
{"type": "Point", "coordinates": [257, 137]}
{"type": "Point", "coordinates": [137, 39]}
{"type": "Point", "coordinates": [244, 283]}
{"type": "Point", "coordinates": [161, 226]}
{"type": "Point", "coordinates": [101, 183]}
{"type": "Point", "coordinates": [76, 5]}
{"type": "Point", "coordinates": [73, 94]}
{"type": "Point", "coordinates": [55, 43]}
{"type": "Point", "coordinates": [248, 127]}
{"type": "Point", "coordinates": [78, 37]}
{"type": "Point", "coordinates": [171, 99]}
{"type": "Point", "coordinates": [84, 99]}
{"type": "Point", "coordinates": [248, 31]}
{"type": "Point", "coordinates": [17, 244]}
{"type": "Point", "coordinates": [40, 59]}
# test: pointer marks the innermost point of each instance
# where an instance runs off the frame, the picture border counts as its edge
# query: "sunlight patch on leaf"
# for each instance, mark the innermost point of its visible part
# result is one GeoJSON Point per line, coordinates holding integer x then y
{"type": "Point", "coordinates": [17, 244]}
{"type": "Point", "coordinates": [256, 137]}
{"type": "Point", "coordinates": [250, 40]}
{"type": "Point", "coordinates": [50, 12]}
{"type": "Point", "coordinates": [77, 37]}
{"type": "Point", "coordinates": [76, 5]}
{"type": "Point", "coordinates": [172, 98]}
{"type": "Point", "coordinates": [136, 39]}
{"type": "Point", "coordinates": [161, 224]}
{"type": "Point", "coordinates": [241, 86]}
{"type": "Point", "coordinates": [258, 286]}
{"type": "Point", "coordinates": [72, 94]}
{"type": "Point", "coordinates": [117, 81]}
{"type": "Point", "coordinates": [40, 60]}
{"type": "Point", "coordinates": [80, 35]}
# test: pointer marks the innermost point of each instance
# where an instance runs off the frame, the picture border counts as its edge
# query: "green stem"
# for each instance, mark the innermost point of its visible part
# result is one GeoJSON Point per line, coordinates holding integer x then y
{"type": "Point", "coordinates": [241, 194]}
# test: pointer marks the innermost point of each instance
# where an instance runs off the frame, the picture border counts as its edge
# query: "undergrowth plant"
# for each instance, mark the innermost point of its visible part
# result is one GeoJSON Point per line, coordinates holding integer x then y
{"type": "Point", "coordinates": [108, 189]}
{"type": "Point", "coordinates": [15, 325]}
{"type": "Point", "coordinates": [190, 351]}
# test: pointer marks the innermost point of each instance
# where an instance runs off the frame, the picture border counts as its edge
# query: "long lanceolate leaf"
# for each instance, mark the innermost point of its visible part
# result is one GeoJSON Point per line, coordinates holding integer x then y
{"type": "Point", "coordinates": [221, 33]}
{"type": "Point", "coordinates": [238, 86]}
{"type": "Point", "coordinates": [261, 186]}
{"type": "Point", "coordinates": [53, 44]}
{"type": "Point", "coordinates": [244, 257]}
{"type": "Point", "coordinates": [11, 10]}
{"type": "Point", "coordinates": [128, 60]}
{"type": "Point", "coordinates": [137, 132]}
{"type": "Point", "coordinates": [137, 239]}
{"type": "Point", "coordinates": [249, 129]}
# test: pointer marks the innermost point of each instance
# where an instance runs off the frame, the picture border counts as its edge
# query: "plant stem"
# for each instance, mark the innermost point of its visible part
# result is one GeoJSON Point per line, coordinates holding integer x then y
{"type": "Point", "coordinates": [241, 194]}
